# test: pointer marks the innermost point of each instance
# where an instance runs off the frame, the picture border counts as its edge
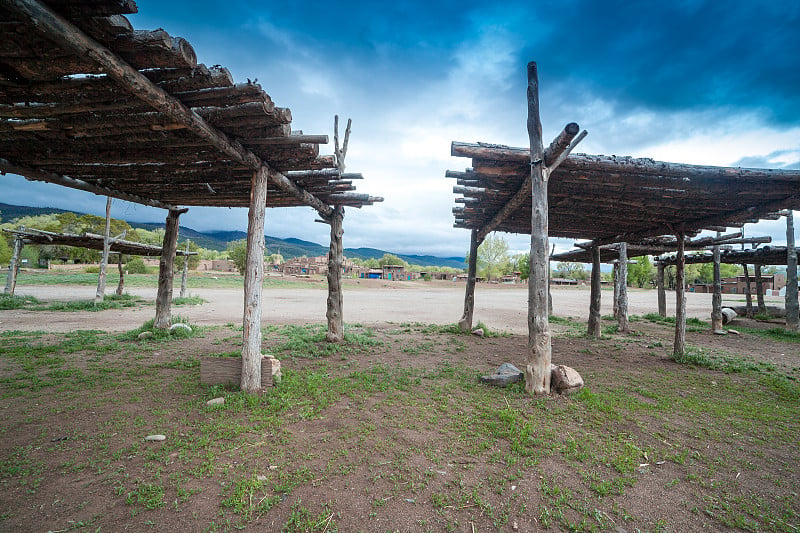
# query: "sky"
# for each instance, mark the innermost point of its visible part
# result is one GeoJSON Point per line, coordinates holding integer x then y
{"type": "Point", "coordinates": [703, 82]}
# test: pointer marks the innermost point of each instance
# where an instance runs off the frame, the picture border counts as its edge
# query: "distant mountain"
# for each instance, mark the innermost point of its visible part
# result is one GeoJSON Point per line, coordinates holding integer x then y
{"type": "Point", "coordinates": [218, 240]}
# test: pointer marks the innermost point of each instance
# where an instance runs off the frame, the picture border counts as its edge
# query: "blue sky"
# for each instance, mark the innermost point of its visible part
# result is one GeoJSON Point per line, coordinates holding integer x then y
{"type": "Point", "coordinates": [685, 81]}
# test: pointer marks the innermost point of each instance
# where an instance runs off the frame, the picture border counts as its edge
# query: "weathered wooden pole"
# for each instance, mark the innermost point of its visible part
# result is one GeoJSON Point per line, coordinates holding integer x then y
{"type": "Point", "coordinates": [253, 283]}
{"type": "Point", "coordinates": [747, 292]}
{"type": "Point", "coordinates": [101, 279]}
{"type": "Point", "coordinates": [185, 274]}
{"type": "Point", "coordinates": [465, 324]}
{"type": "Point", "coordinates": [594, 328]}
{"type": "Point", "coordinates": [716, 297]}
{"type": "Point", "coordinates": [335, 262]}
{"type": "Point", "coordinates": [792, 307]}
{"type": "Point", "coordinates": [13, 266]}
{"type": "Point", "coordinates": [622, 307]}
{"type": "Point", "coordinates": [662, 293]}
{"type": "Point", "coordinates": [121, 284]}
{"type": "Point", "coordinates": [679, 347]}
{"type": "Point", "coordinates": [537, 368]}
{"type": "Point", "coordinates": [762, 307]}
{"type": "Point", "coordinates": [615, 303]}
{"type": "Point", "coordinates": [165, 265]}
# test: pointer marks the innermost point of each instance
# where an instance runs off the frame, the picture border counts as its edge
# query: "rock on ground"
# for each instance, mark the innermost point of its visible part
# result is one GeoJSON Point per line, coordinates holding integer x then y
{"type": "Point", "coordinates": [565, 379]}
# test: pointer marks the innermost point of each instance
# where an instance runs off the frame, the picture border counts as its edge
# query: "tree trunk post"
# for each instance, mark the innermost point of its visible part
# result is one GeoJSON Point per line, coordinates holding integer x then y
{"type": "Point", "coordinates": [615, 303]}
{"type": "Point", "coordinates": [13, 267]}
{"type": "Point", "coordinates": [121, 284]}
{"type": "Point", "coordinates": [335, 262]}
{"type": "Point", "coordinates": [622, 307]}
{"type": "Point", "coordinates": [185, 274]}
{"type": "Point", "coordinates": [594, 328]}
{"type": "Point", "coordinates": [679, 347]}
{"type": "Point", "coordinates": [465, 324]}
{"type": "Point", "coordinates": [662, 292]}
{"type": "Point", "coordinates": [762, 307]}
{"type": "Point", "coordinates": [253, 283]}
{"type": "Point", "coordinates": [716, 297]}
{"type": "Point", "coordinates": [165, 265]}
{"type": "Point", "coordinates": [748, 292]}
{"type": "Point", "coordinates": [537, 368]}
{"type": "Point", "coordinates": [101, 279]}
{"type": "Point", "coordinates": [792, 307]}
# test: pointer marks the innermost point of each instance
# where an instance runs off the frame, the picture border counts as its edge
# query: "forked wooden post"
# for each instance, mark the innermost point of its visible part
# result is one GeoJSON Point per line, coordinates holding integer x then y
{"type": "Point", "coordinates": [101, 279]}
{"type": "Point", "coordinates": [185, 274]}
{"type": "Point", "coordinates": [762, 307]}
{"type": "Point", "coordinates": [716, 298]}
{"type": "Point", "coordinates": [253, 283]}
{"type": "Point", "coordinates": [465, 324]}
{"type": "Point", "coordinates": [662, 292]}
{"type": "Point", "coordinates": [165, 275]}
{"type": "Point", "coordinates": [335, 310]}
{"type": "Point", "coordinates": [622, 306]}
{"type": "Point", "coordinates": [13, 267]}
{"type": "Point", "coordinates": [792, 307]}
{"type": "Point", "coordinates": [594, 307]}
{"type": "Point", "coordinates": [679, 347]}
{"type": "Point", "coordinates": [537, 367]}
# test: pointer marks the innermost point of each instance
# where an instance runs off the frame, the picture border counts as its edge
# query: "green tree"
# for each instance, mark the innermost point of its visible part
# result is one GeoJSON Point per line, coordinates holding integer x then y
{"type": "Point", "coordinates": [492, 257]}
{"type": "Point", "coordinates": [569, 270]}
{"type": "Point", "coordinates": [194, 260]}
{"type": "Point", "coordinates": [237, 252]}
{"type": "Point", "coordinates": [5, 251]}
{"type": "Point", "coordinates": [642, 272]}
{"type": "Point", "coordinates": [389, 259]}
{"type": "Point", "coordinates": [522, 264]}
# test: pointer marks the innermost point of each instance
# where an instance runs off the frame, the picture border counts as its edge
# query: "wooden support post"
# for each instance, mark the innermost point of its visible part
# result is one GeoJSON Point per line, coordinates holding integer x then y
{"type": "Point", "coordinates": [679, 347]}
{"type": "Point", "coordinates": [792, 307]}
{"type": "Point", "coordinates": [101, 279]}
{"type": "Point", "coordinates": [662, 293]}
{"type": "Point", "coordinates": [165, 265]}
{"type": "Point", "coordinates": [594, 328]}
{"type": "Point", "coordinates": [747, 292]}
{"type": "Point", "coordinates": [465, 324]}
{"type": "Point", "coordinates": [615, 303]}
{"type": "Point", "coordinates": [253, 283]}
{"type": "Point", "coordinates": [335, 262]}
{"type": "Point", "coordinates": [716, 297]}
{"type": "Point", "coordinates": [537, 368]}
{"type": "Point", "coordinates": [121, 284]}
{"type": "Point", "coordinates": [13, 267]}
{"type": "Point", "coordinates": [185, 275]}
{"type": "Point", "coordinates": [762, 307]}
{"type": "Point", "coordinates": [622, 307]}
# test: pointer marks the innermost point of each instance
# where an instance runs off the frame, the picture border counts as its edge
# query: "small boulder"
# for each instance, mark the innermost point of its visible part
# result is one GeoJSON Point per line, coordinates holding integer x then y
{"type": "Point", "coordinates": [720, 332]}
{"type": "Point", "coordinates": [478, 331]}
{"type": "Point", "coordinates": [506, 374]}
{"type": "Point", "coordinates": [216, 401]}
{"type": "Point", "coordinates": [179, 326]}
{"type": "Point", "coordinates": [565, 379]}
{"type": "Point", "coordinates": [155, 438]}
{"type": "Point", "coordinates": [145, 335]}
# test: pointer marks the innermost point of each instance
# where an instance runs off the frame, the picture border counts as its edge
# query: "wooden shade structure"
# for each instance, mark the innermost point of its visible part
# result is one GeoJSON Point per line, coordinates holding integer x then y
{"type": "Point", "coordinates": [606, 199]}
{"type": "Point", "coordinates": [88, 102]}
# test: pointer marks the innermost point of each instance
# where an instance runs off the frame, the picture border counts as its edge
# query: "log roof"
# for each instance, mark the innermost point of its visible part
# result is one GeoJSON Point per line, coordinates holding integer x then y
{"type": "Point", "coordinates": [89, 240]}
{"type": "Point", "coordinates": [88, 102]}
{"type": "Point", "coordinates": [617, 199]}
{"type": "Point", "coordinates": [766, 255]}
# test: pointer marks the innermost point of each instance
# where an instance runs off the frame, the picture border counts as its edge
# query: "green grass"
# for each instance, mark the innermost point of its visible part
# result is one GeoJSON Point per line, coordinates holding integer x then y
{"type": "Point", "coordinates": [111, 301]}
{"type": "Point", "coordinates": [195, 280]}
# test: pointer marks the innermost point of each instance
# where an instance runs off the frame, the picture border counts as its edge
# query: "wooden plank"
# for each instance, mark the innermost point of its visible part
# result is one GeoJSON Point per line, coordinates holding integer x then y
{"type": "Point", "coordinates": [539, 355]}
{"type": "Point", "coordinates": [662, 295]}
{"type": "Point", "coordinates": [335, 306]}
{"type": "Point", "coordinates": [228, 371]}
{"type": "Point", "coordinates": [13, 267]}
{"type": "Point", "coordinates": [253, 284]}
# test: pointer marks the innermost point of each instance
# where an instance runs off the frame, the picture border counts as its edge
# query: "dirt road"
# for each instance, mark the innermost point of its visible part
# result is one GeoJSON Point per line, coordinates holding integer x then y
{"type": "Point", "coordinates": [366, 302]}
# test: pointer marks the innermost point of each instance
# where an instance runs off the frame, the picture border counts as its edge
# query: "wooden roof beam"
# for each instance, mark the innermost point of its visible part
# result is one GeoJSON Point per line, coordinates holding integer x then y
{"type": "Point", "coordinates": [70, 37]}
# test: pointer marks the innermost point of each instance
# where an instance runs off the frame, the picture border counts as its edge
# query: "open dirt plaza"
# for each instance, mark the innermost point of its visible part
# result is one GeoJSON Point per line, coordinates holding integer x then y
{"type": "Point", "coordinates": [391, 430]}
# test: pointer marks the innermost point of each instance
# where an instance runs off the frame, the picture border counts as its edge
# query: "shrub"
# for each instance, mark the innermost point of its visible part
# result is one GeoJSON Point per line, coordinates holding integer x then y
{"type": "Point", "coordinates": [92, 269]}
{"type": "Point", "coordinates": [136, 266]}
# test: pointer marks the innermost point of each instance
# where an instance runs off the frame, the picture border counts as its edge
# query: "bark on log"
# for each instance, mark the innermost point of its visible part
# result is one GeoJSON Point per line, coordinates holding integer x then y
{"type": "Point", "coordinates": [335, 308]}
{"type": "Point", "coordinates": [253, 284]}
{"type": "Point", "coordinates": [594, 328]}
{"type": "Point", "coordinates": [615, 303]}
{"type": "Point", "coordinates": [101, 278]}
{"type": "Point", "coordinates": [792, 307]}
{"type": "Point", "coordinates": [679, 347]}
{"type": "Point", "coordinates": [537, 368]}
{"type": "Point", "coordinates": [762, 307]}
{"type": "Point", "coordinates": [465, 324]}
{"type": "Point", "coordinates": [622, 308]}
{"type": "Point", "coordinates": [165, 274]}
{"type": "Point", "coordinates": [662, 294]}
{"type": "Point", "coordinates": [13, 267]}
{"type": "Point", "coordinates": [121, 284]}
{"type": "Point", "coordinates": [228, 371]}
{"type": "Point", "coordinates": [716, 298]}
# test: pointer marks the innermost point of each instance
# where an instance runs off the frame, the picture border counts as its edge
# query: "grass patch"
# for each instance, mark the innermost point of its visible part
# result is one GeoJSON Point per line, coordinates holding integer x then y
{"type": "Point", "coordinates": [189, 300]}
{"type": "Point", "coordinates": [12, 301]}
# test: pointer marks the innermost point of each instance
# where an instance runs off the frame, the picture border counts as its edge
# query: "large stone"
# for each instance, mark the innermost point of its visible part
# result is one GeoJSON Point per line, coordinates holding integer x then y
{"type": "Point", "coordinates": [145, 335]}
{"type": "Point", "coordinates": [181, 326]}
{"type": "Point", "coordinates": [506, 374]}
{"type": "Point", "coordinates": [565, 379]}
